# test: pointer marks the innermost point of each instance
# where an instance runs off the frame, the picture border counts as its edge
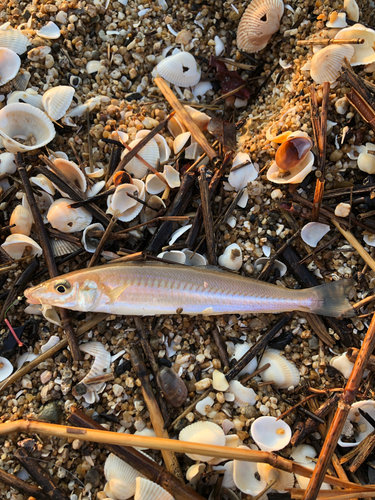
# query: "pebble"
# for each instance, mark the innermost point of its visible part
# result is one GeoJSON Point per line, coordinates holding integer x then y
{"type": "Point", "coordinates": [51, 413]}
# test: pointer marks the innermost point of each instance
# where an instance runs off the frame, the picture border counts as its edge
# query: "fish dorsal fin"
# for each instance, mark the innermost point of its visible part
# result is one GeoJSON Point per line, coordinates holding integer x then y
{"type": "Point", "coordinates": [116, 292]}
{"type": "Point", "coordinates": [209, 267]}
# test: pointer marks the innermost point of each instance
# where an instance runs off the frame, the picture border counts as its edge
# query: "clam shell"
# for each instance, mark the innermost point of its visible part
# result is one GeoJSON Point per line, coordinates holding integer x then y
{"type": "Point", "coordinates": [362, 53]}
{"type": "Point", "coordinates": [90, 244]}
{"type": "Point", "coordinates": [145, 432]}
{"type": "Point", "coordinates": [72, 172]}
{"type": "Point", "coordinates": [123, 204]}
{"type": "Point", "coordinates": [313, 232]}
{"type": "Point", "coordinates": [270, 434]}
{"type": "Point", "coordinates": [50, 31]}
{"type": "Point", "coordinates": [96, 174]}
{"type": "Point", "coordinates": [121, 477]}
{"type": "Point", "coordinates": [21, 216]}
{"type": "Point", "coordinates": [242, 395]}
{"type": "Point", "coordinates": [259, 22]}
{"type": "Point", "coordinates": [202, 432]}
{"type": "Point", "coordinates": [239, 351]}
{"type": "Point", "coordinates": [219, 382]}
{"type": "Point", "coordinates": [199, 118]}
{"type": "Point", "coordinates": [304, 481]}
{"type": "Point", "coordinates": [293, 176]}
{"type": "Point", "coordinates": [343, 365]}
{"type": "Point", "coordinates": [173, 256]}
{"type": "Point", "coordinates": [292, 152]}
{"type": "Point", "coordinates": [150, 153]}
{"type": "Point", "coordinates": [194, 473]}
{"type": "Point", "coordinates": [10, 64]}
{"type": "Point", "coordinates": [147, 490]}
{"type": "Point", "coordinates": [23, 120]}
{"type": "Point", "coordinates": [245, 476]}
{"type": "Point", "coordinates": [16, 244]}
{"type": "Point", "coordinates": [231, 258]}
{"type": "Point", "coordinates": [283, 373]}
{"type": "Point", "coordinates": [201, 88]}
{"type": "Point", "coordinates": [204, 405]}
{"type": "Point", "coordinates": [93, 66]}
{"type": "Point", "coordinates": [193, 151]}
{"type": "Point", "coordinates": [338, 22]}
{"type": "Point", "coordinates": [366, 163]}
{"type": "Point", "coordinates": [303, 454]}
{"type": "Point", "coordinates": [155, 203]}
{"type": "Point", "coordinates": [180, 69]}
{"type": "Point", "coordinates": [29, 96]}
{"type": "Point", "coordinates": [239, 178]}
{"type": "Point", "coordinates": [57, 100]}
{"type": "Point", "coordinates": [100, 366]}
{"type": "Point", "coordinates": [66, 219]}
{"type": "Point", "coordinates": [175, 127]}
{"type": "Point", "coordinates": [327, 63]}
{"type": "Point", "coordinates": [369, 239]}
{"type": "Point", "coordinates": [280, 266]}
{"type": "Point", "coordinates": [7, 163]}
{"type": "Point", "coordinates": [6, 368]}
{"type": "Point", "coordinates": [164, 150]}
{"type": "Point", "coordinates": [180, 141]}
{"type": "Point", "coordinates": [364, 428]}
{"type": "Point", "coordinates": [284, 480]}
{"type": "Point", "coordinates": [62, 247]}
{"type": "Point", "coordinates": [43, 183]}
{"type": "Point", "coordinates": [14, 40]}
{"type": "Point", "coordinates": [352, 9]}
{"type": "Point", "coordinates": [194, 259]}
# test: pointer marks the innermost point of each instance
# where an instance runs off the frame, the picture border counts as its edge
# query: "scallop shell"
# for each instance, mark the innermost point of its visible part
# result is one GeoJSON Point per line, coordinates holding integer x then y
{"type": "Point", "coordinates": [242, 395]}
{"type": "Point", "coordinates": [245, 476]}
{"type": "Point", "coordinates": [280, 266]}
{"type": "Point", "coordinates": [294, 175]}
{"type": "Point", "coordinates": [284, 480]}
{"type": "Point", "coordinates": [180, 69]}
{"type": "Point", "coordinates": [66, 219]}
{"type": "Point", "coordinates": [303, 454]}
{"type": "Point", "coordinates": [43, 183]}
{"type": "Point", "coordinates": [7, 163]}
{"type": "Point", "coordinates": [173, 256]}
{"type": "Point", "coordinates": [239, 351]}
{"type": "Point", "coordinates": [62, 247]}
{"type": "Point", "coordinates": [362, 53]}
{"type": "Point", "coordinates": [304, 481]}
{"type": "Point", "coordinates": [123, 204]}
{"type": "Point", "coordinates": [164, 150]}
{"type": "Point", "coordinates": [366, 163]}
{"type": "Point", "coordinates": [327, 63]}
{"type": "Point", "coordinates": [10, 64]}
{"type": "Point", "coordinates": [202, 432]}
{"type": "Point", "coordinates": [121, 477]}
{"type": "Point", "coordinates": [72, 172]}
{"type": "Point", "coordinates": [147, 490]}
{"type": "Point", "coordinates": [23, 120]}
{"type": "Point", "coordinates": [313, 232]}
{"type": "Point", "coordinates": [231, 258]}
{"type": "Point", "coordinates": [150, 153]}
{"type": "Point", "coordinates": [282, 372]}
{"type": "Point", "coordinates": [50, 31]}
{"type": "Point", "coordinates": [90, 244]}
{"type": "Point", "coordinates": [29, 96]}
{"type": "Point", "coordinates": [194, 259]}
{"type": "Point", "coordinates": [21, 81]}
{"type": "Point", "coordinates": [93, 66]}
{"type": "Point", "coordinates": [16, 244]}
{"type": "Point", "coordinates": [145, 432]}
{"type": "Point", "coordinates": [259, 22]}
{"type": "Point", "coordinates": [270, 434]}
{"type": "Point", "coordinates": [21, 216]}
{"type": "Point", "coordinates": [364, 428]}
{"type": "Point", "coordinates": [352, 9]}
{"type": "Point", "coordinates": [57, 100]}
{"type": "Point", "coordinates": [14, 40]}
{"type": "Point", "coordinates": [239, 178]}
{"type": "Point", "coordinates": [6, 368]}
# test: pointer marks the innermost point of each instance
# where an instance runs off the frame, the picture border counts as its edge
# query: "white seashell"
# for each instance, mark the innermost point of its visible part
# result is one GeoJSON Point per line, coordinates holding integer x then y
{"type": "Point", "coordinates": [180, 141]}
{"type": "Point", "coordinates": [199, 118]}
{"type": "Point", "coordinates": [194, 473]}
{"type": "Point", "coordinates": [239, 351]}
{"type": "Point", "coordinates": [284, 480]}
{"type": "Point", "coordinates": [304, 481]}
{"type": "Point", "coordinates": [239, 178]}
{"type": "Point", "coordinates": [22, 217]}
{"type": "Point", "coordinates": [23, 120]}
{"type": "Point", "coordinates": [57, 100]}
{"type": "Point", "coordinates": [175, 127]}
{"type": "Point", "coordinates": [270, 434]}
{"type": "Point", "coordinates": [147, 490]}
{"type": "Point", "coordinates": [339, 21]}
{"type": "Point", "coordinates": [227, 425]}
{"type": "Point", "coordinates": [369, 239]}
{"type": "Point", "coordinates": [231, 258]}
{"type": "Point", "coordinates": [43, 200]}
{"type": "Point", "coordinates": [154, 185]}
{"type": "Point", "coordinates": [362, 426]}
{"type": "Point", "coordinates": [123, 204]}
{"type": "Point", "coordinates": [145, 432]}
{"type": "Point", "coordinates": [219, 382]}
{"type": "Point", "coordinates": [44, 183]}
{"type": "Point", "coordinates": [14, 40]}
{"type": "Point", "coordinates": [66, 219]}
{"type": "Point", "coordinates": [50, 314]}
{"type": "Point", "coordinates": [303, 454]}
{"type": "Point", "coordinates": [242, 395]}
{"type": "Point", "coordinates": [228, 481]}
{"type": "Point", "coordinates": [62, 247]}
{"type": "Point", "coordinates": [7, 163]}
{"type": "Point", "coordinates": [219, 46]}
{"type": "Point", "coordinates": [245, 476]}
{"type": "Point", "coordinates": [38, 53]}
{"type": "Point", "coordinates": [178, 233]}
{"type": "Point", "coordinates": [194, 259]}
{"type": "Point", "coordinates": [34, 309]}
{"type": "Point", "coordinates": [72, 172]}
{"type": "Point", "coordinates": [50, 31]}
{"type": "Point", "coordinates": [10, 64]}
{"type": "Point", "coordinates": [363, 53]}
{"type": "Point", "coordinates": [6, 368]}
{"type": "Point", "coordinates": [194, 151]}
{"type": "Point", "coordinates": [352, 9]}
{"type": "Point", "coordinates": [280, 266]}
{"type": "Point", "coordinates": [100, 366]}
{"type": "Point", "coordinates": [96, 174]}
{"type": "Point", "coordinates": [150, 153]}
{"type": "Point", "coordinates": [313, 232]}
{"type": "Point", "coordinates": [93, 66]}
{"type": "Point", "coordinates": [294, 175]}
{"type": "Point", "coordinates": [201, 88]}
{"type": "Point", "coordinates": [282, 372]}
{"type": "Point", "coordinates": [164, 150]}
{"type": "Point", "coordinates": [173, 256]}
{"type": "Point", "coordinates": [259, 22]}
{"type": "Point", "coordinates": [201, 406]}
{"type": "Point", "coordinates": [202, 432]}
{"type": "Point", "coordinates": [52, 341]}
{"type": "Point", "coordinates": [16, 245]}
{"type": "Point", "coordinates": [95, 189]}
{"type": "Point", "coordinates": [342, 210]}
{"type": "Point", "coordinates": [343, 365]}
{"type": "Point", "coordinates": [155, 203]}
{"type": "Point", "coordinates": [180, 69]}
{"type": "Point", "coordinates": [172, 176]}
{"type": "Point", "coordinates": [327, 63]}
{"type": "Point", "coordinates": [366, 163]}
{"type": "Point", "coordinates": [121, 477]}
{"type": "Point", "coordinates": [27, 357]}
{"type": "Point", "coordinates": [90, 244]}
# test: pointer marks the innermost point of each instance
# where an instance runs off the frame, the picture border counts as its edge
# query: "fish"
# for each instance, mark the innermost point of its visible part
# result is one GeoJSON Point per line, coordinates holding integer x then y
{"type": "Point", "coordinates": [152, 288]}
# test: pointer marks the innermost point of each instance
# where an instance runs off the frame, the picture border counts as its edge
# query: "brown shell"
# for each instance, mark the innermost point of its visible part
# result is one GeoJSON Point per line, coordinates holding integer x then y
{"type": "Point", "coordinates": [292, 152]}
{"type": "Point", "coordinates": [173, 387]}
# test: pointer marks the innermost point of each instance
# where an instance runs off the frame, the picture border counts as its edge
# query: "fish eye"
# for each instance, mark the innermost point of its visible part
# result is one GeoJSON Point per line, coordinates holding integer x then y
{"type": "Point", "coordinates": [62, 286]}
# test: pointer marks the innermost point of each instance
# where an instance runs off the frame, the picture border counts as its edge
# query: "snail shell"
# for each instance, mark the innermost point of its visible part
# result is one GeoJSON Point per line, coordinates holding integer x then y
{"type": "Point", "coordinates": [174, 389]}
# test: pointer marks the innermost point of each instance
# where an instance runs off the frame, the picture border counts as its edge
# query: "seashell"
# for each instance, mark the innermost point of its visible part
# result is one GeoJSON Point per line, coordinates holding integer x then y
{"type": "Point", "coordinates": [327, 63]}
{"type": "Point", "coordinates": [7, 163]}
{"type": "Point", "coordinates": [62, 247]}
{"type": "Point", "coordinates": [303, 454]}
{"type": "Point", "coordinates": [228, 481]}
{"type": "Point", "coordinates": [173, 256]}
{"type": "Point", "coordinates": [194, 259]}
{"type": "Point", "coordinates": [96, 174]}
{"type": "Point", "coordinates": [23, 219]}
{"type": "Point", "coordinates": [95, 189]}
{"type": "Point", "coordinates": [369, 239]}
{"type": "Point", "coordinates": [13, 39]}
{"type": "Point", "coordinates": [93, 66]}
{"type": "Point", "coordinates": [50, 314]}
{"type": "Point", "coordinates": [201, 88]}
{"type": "Point", "coordinates": [284, 480]}
{"type": "Point", "coordinates": [199, 118]}
{"type": "Point", "coordinates": [313, 232]}
{"type": "Point", "coordinates": [194, 473]}
{"type": "Point", "coordinates": [304, 481]}
{"type": "Point", "coordinates": [155, 204]}
{"type": "Point", "coordinates": [57, 100]}
{"type": "Point", "coordinates": [239, 178]}
{"type": "Point", "coordinates": [180, 69]}
{"type": "Point", "coordinates": [231, 258]}
{"type": "Point", "coordinates": [72, 172]}
{"type": "Point", "coordinates": [337, 20]}
{"type": "Point", "coordinates": [184, 37]}
{"type": "Point", "coordinates": [343, 365]}
{"type": "Point", "coordinates": [52, 341]}
{"type": "Point", "coordinates": [363, 428]}
{"type": "Point", "coordinates": [352, 9]}
{"type": "Point", "coordinates": [362, 53]}
{"type": "Point", "coordinates": [202, 432]}
{"type": "Point", "coordinates": [121, 477]}
{"type": "Point", "coordinates": [164, 150]}
{"type": "Point", "coordinates": [239, 351]}
{"type": "Point", "coordinates": [147, 490]}
{"type": "Point", "coordinates": [125, 207]}
{"type": "Point", "coordinates": [50, 31]}
{"type": "Point", "coordinates": [282, 372]}
{"type": "Point", "coordinates": [366, 163]}
{"type": "Point", "coordinates": [23, 121]}
{"type": "Point", "coordinates": [292, 152]}
{"type": "Point", "coordinates": [29, 96]}
{"type": "Point", "coordinates": [194, 151]}
{"type": "Point", "coordinates": [178, 233]}
{"type": "Point", "coordinates": [180, 141]}
{"type": "Point", "coordinates": [27, 357]}
{"type": "Point", "coordinates": [150, 153]}
{"type": "Point", "coordinates": [293, 176]}
{"type": "Point", "coordinates": [6, 368]}
{"type": "Point", "coordinates": [280, 266]}
{"type": "Point", "coordinates": [16, 245]}
{"type": "Point", "coordinates": [21, 81]}
{"type": "Point", "coordinates": [246, 477]}
{"type": "Point", "coordinates": [100, 366]}
{"type": "Point", "coordinates": [342, 210]}
{"type": "Point", "coordinates": [43, 200]}
{"type": "Point", "coordinates": [174, 389]}
{"type": "Point", "coordinates": [155, 186]}
{"type": "Point", "coordinates": [270, 434]}
{"type": "Point", "coordinates": [204, 405]}
{"type": "Point", "coordinates": [259, 22]}
{"type": "Point", "coordinates": [10, 64]}
{"type": "Point", "coordinates": [66, 219]}
{"type": "Point", "coordinates": [145, 432]}
{"type": "Point", "coordinates": [219, 46]}
{"type": "Point", "coordinates": [44, 183]}
{"type": "Point", "coordinates": [38, 53]}
{"type": "Point", "coordinates": [175, 127]}
{"type": "Point", "coordinates": [242, 395]}
{"type": "Point", "coordinates": [219, 381]}
{"type": "Point", "coordinates": [89, 243]}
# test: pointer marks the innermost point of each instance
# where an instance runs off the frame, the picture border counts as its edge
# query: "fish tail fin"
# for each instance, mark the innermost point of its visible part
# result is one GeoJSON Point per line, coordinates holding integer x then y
{"type": "Point", "coordinates": [331, 299]}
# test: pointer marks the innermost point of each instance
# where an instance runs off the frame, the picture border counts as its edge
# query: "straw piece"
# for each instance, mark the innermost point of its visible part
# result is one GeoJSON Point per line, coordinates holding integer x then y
{"type": "Point", "coordinates": [330, 41]}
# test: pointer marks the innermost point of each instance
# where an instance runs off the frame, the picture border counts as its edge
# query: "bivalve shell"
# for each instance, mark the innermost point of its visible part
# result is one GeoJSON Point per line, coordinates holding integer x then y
{"type": "Point", "coordinates": [282, 372]}
{"type": "Point", "coordinates": [362, 426]}
{"type": "Point", "coordinates": [164, 149]}
{"type": "Point", "coordinates": [125, 207]}
{"type": "Point", "coordinates": [219, 381]}
{"type": "Point", "coordinates": [50, 31]}
{"type": "Point", "coordinates": [239, 351]}
{"type": "Point", "coordinates": [303, 454]}
{"type": "Point", "coordinates": [294, 175]}
{"type": "Point", "coordinates": [100, 366]}
{"type": "Point", "coordinates": [43, 183]}
{"type": "Point", "coordinates": [284, 480]}
{"type": "Point", "coordinates": [180, 69]}
{"type": "Point", "coordinates": [57, 100]}
{"type": "Point", "coordinates": [150, 153]}
{"type": "Point", "coordinates": [313, 232]}
{"type": "Point", "coordinates": [194, 259]}
{"type": "Point", "coordinates": [242, 395]}
{"type": "Point", "coordinates": [72, 172]}
{"type": "Point", "coordinates": [7, 163]}
{"type": "Point", "coordinates": [366, 163]}
{"type": "Point", "coordinates": [246, 477]}
{"type": "Point", "coordinates": [173, 256]}
{"type": "Point", "coordinates": [93, 66]}
{"type": "Point", "coordinates": [28, 96]}
{"type": "Point", "coordinates": [327, 63]}
{"type": "Point", "coordinates": [362, 53]}
{"type": "Point", "coordinates": [22, 218]}
{"type": "Point", "coordinates": [14, 40]}
{"type": "Point", "coordinates": [17, 244]}
{"type": "Point", "coordinates": [352, 9]}
{"type": "Point", "coordinates": [231, 258]}
{"type": "Point", "coordinates": [10, 64]}
{"type": "Point", "coordinates": [270, 434]}
{"type": "Point", "coordinates": [147, 490]}
{"type": "Point", "coordinates": [90, 244]}
{"type": "Point", "coordinates": [238, 178]}
{"type": "Point", "coordinates": [202, 432]}
{"type": "Point", "coordinates": [259, 22]}
{"type": "Point", "coordinates": [121, 477]}
{"type": "Point", "coordinates": [6, 368]}
{"type": "Point", "coordinates": [66, 219]}
{"type": "Point", "coordinates": [280, 266]}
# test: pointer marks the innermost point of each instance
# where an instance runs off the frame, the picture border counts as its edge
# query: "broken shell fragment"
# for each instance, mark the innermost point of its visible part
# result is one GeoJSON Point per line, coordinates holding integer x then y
{"type": "Point", "coordinates": [72, 171]}
{"type": "Point", "coordinates": [337, 20]}
{"type": "Point", "coordinates": [270, 434]}
{"type": "Point", "coordinates": [57, 100]}
{"type": "Point", "coordinates": [246, 477]}
{"type": "Point", "coordinates": [362, 53]}
{"type": "Point", "coordinates": [173, 256]}
{"type": "Point", "coordinates": [50, 31]}
{"type": "Point", "coordinates": [238, 178]}
{"type": "Point", "coordinates": [194, 473]}
{"type": "Point", "coordinates": [352, 9]}
{"type": "Point", "coordinates": [292, 152]}
{"type": "Point", "coordinates": [16, 245]}
{"type": "Point", "coordinates": [327, 63]}
{"type": "Point", "coordinates": [22, 218]}
{"type": "Point", "coordinates": [242, 395]}
{"type": "Point", "coordinates": [313, 232]}
{"type": "Point", "coordinates": [280, 266]}
{"type": "Point", "coordinates": [231, 258]}
{"type": "Point", "coordinates": [259, 22]}
{"type": "Point", "coordinates": [150, 153]}
{"type": "Point", "coordinates": [284, 480]}
{"type": "Point", "coordinates": [194, 259]}
{"type": "Point", "coordinates": [9, 65]}
{"type": "Point", "coordinates": [29, 96]}
{"type": "Point", "coordinates": [362, 427]}
{"type": "Point", "coordinates": [282, 372]}
{"type": "Point", "coordinates": [66, 219]}
{"type": "Point", "coordinates": [293, 176]}
{"type": "Point", "coordinates": [204, 405]}
{"type": "Point", "coordinates": [43, 183]}
{"type": "Point", "coordinates": [219, 381]}
{"type": "Point", "coordinates": [6, 368]}
{"type": "Point", "coordinates": [202, 432]}
{"type": "Point", "coordinates": [7, 163]}
{"type": "Point", "coordinates": [147, 490]}
{"type": "Point", "coordinates": [180, 141]}
{"type": "Point", "coordinates": [125, 207]}
{"type": "Point", "coordinates": [366, 163]}
{"type": "Point", "coordinates": [180, 69]}
{"type": "Point", "coordinates": [239, 351]}
{"type": "Point", "coordinates": [369, 239]}
{"type": "Point", "coordinates": [89, 243]}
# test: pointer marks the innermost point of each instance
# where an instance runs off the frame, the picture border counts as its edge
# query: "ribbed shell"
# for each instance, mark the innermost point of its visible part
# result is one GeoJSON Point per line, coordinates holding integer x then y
{"type": "Point", "coordinates": [121, 477]}
{"type": "Point", "coordinates": [259, 22]}
{"type": "Point", "coordinates": [244, 476]}
{"type": "Point", "coordinates": [57, 100]}
{"type": "Point", "coordinates": [303, 454]}
{"type": "Point", "coordinates": [100, 366]}
{"type": "Point", "coordinates": [363, 53]}
{"type": "Point", "coordinates": [284, 479]}
{"type": "Point", "coordinates": [147, 490]}
{"type": "Point", "coordinates": [203, 432]}
{"type": "Point", "coordinates": [243, 396]}
{"type": "Point", "coordinates": [62, 247]}
{"type": "Point", "coordinates": [180, 69]}
{"type": "Point", "coordinates": [9, 65]}
{"type": "Point", "coordinates": [121, 203]}
{"type": "Point", "coordinates": [30, 96]}
{"type": "Point", "coordinates": [150, 153]}
{"type": "Point", "coordinates": [239, 351]}
{"type": "Point", "coordinates": [327, 63]}
{"type": "Point", "coordinates": [283, 373]}
{"type": "Point", "coordinates": [14, 40]}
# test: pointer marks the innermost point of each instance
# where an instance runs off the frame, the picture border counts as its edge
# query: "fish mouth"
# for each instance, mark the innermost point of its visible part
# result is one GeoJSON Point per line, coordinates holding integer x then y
{"type": "Point", "coordinates": [29, 296]}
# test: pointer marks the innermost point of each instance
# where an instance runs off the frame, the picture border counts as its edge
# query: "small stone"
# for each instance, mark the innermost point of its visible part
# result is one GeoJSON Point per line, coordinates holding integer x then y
{"type": "Point", "coordinates": [342, 105]}
{"type": "Point", "coordinates": [203, 384]}
{"type": "Point", "coordinates": [92, 476]}
{"type": "Point", "coordinates": [132, 73]}
{"type": "Point", "coordinates": [219, 382]}
{"type": "Point", "coordinates": [51, 413]}
{"type": "Point", "coordinates": [276, 194]}
{"type": "Point", "coordinates": [342, 210]}
{"type": "Point", "coordinates": [264, 410]}
{"type": "Point", "coordinates": [336, 155]}
{"type": "Point", "coordinates": [117, 390]}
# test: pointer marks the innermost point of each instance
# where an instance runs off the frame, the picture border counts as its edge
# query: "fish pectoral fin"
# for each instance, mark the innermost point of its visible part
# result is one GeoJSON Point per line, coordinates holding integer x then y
{"type": "Point", "coordinates": [116, 292]}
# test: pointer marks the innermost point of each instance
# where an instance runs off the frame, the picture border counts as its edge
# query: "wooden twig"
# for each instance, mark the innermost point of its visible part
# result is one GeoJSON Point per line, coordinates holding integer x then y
{"type": "Point", "coordinates": [93, 199]}
{"type": "Point", "coordinates": [358, 449]}
{"type": "Point", "coordinates": [330, 41]}
{"type": "Point", "coordinates": [266, 271]}
{"type": "Point", "coordinates": [352, 355]}
{"type": "Point", "coordinates": [355, 81]}
{"type": "Point", "coordinates": [319, 328]}
{"type": "Point", "coordinates": [220, 347]}
{"type": "Point", "coordinates": [257, 372]}
{"type": "Point", "coordinates": [27, 489]}
{"type": "Point", "coordinates": [103, 241]}
{"type": "Point", "coordinates": [292, 408]}
{"type": "Point", "coordinates": [207, 217]}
